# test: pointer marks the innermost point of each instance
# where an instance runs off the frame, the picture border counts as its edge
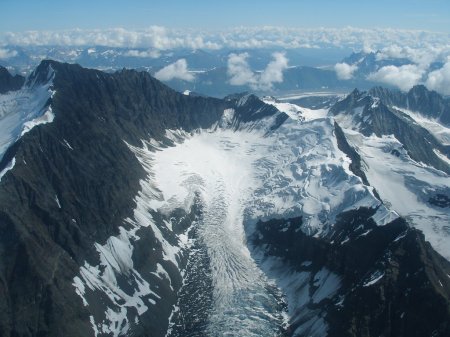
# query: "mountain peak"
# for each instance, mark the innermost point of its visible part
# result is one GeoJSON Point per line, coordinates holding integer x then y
{"type": "Point", "coordinates": [43, 73]}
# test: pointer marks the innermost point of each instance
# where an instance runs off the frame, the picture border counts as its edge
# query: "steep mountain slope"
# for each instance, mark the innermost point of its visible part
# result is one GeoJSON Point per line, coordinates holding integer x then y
{"type": "Point", "coordinates": [140, 211]}
{"type": "Point", "coordinates": [9, 82]}
{"type": "Point", "coordinates": [419, 100]}
{"type": "Point", "coordinates": [369, 115]}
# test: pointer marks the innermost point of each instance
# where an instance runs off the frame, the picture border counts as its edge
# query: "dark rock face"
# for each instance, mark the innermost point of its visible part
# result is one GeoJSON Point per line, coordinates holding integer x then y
{"type": "Point", "coordinates": [9, 82]}
{"type": "Point", "coordinates": [74, 183]}
{"type": "Point", "coordinates": [419, 99]}
{"type": "Point", "coordinates": [393, 282]}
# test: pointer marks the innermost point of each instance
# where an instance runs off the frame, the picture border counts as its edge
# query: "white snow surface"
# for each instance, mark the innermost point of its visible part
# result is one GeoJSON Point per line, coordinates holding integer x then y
{"type": "Point", "coordinates": [24, 109]}
{"type": "Point", "coordinates": [297, 112]}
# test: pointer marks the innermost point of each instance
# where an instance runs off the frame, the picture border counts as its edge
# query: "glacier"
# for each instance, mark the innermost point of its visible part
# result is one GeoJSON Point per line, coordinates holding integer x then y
{"type": "Point", "coordinates": [250, 174]}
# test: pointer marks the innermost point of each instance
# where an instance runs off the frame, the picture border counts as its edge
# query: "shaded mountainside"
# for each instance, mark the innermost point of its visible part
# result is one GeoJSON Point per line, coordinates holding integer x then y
{"type": "Point", "coordinates": [9, 82]}
{"type": "Point", "coordinates": [73, 184]}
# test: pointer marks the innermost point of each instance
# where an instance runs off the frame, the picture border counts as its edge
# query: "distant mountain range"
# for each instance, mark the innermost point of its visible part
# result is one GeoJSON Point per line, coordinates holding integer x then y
{"type": "Point", "coordinates": [307, 69]}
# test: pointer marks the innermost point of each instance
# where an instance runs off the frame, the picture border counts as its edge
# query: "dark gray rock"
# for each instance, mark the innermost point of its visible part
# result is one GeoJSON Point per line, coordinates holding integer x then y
{"type": "Point", "coordinates": [9, 82]}
{"type": "Point", "coordinates": [419, 99]}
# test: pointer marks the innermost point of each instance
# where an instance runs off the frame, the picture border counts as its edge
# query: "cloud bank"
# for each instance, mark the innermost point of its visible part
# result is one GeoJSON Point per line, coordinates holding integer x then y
{"type": "Point", "coordinates": [240, 73]}
{"type": "Point", "coordinates": [163, 38]}
{"type": "Point", "coordinates": [426, 50]}
{"type": "Point", "coordinates": [176, 70]}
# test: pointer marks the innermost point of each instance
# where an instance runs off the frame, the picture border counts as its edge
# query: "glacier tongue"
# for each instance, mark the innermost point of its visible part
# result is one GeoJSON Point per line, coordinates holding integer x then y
{"type": "Point", "coordinates": [219, 166]}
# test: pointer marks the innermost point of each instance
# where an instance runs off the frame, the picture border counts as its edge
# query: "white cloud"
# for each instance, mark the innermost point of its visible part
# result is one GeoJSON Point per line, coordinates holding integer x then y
{"type": "Point", "coordinates": [240, 73]}
{"type": "Point", "coordinates": [7, 53]}
{"type": "Point", "coordinates": [439, 80]}
{"type": "Point", "coordinates": [392, 51]}
{"type": "Point", "coordinates": [345, 71]}
{"type": "Point", "coordinates": [154, 54]}
{"type": "Point", "coordinates": [176, 70]}
{"type": "Point", "coordinates": [404, 77]}
{"type": "Point", "coordinates": [274, 71]}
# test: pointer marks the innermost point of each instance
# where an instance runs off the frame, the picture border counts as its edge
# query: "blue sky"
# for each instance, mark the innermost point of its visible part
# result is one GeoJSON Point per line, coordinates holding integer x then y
{"type": "Point", "coordinates": [21, 15]}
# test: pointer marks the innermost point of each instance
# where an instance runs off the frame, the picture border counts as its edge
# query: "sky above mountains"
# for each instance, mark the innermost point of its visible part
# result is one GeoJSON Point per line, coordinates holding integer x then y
{"type": "Point", "coordinates": [416, 30]}
{"type": "Point", "coordinates": [23, 15]}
